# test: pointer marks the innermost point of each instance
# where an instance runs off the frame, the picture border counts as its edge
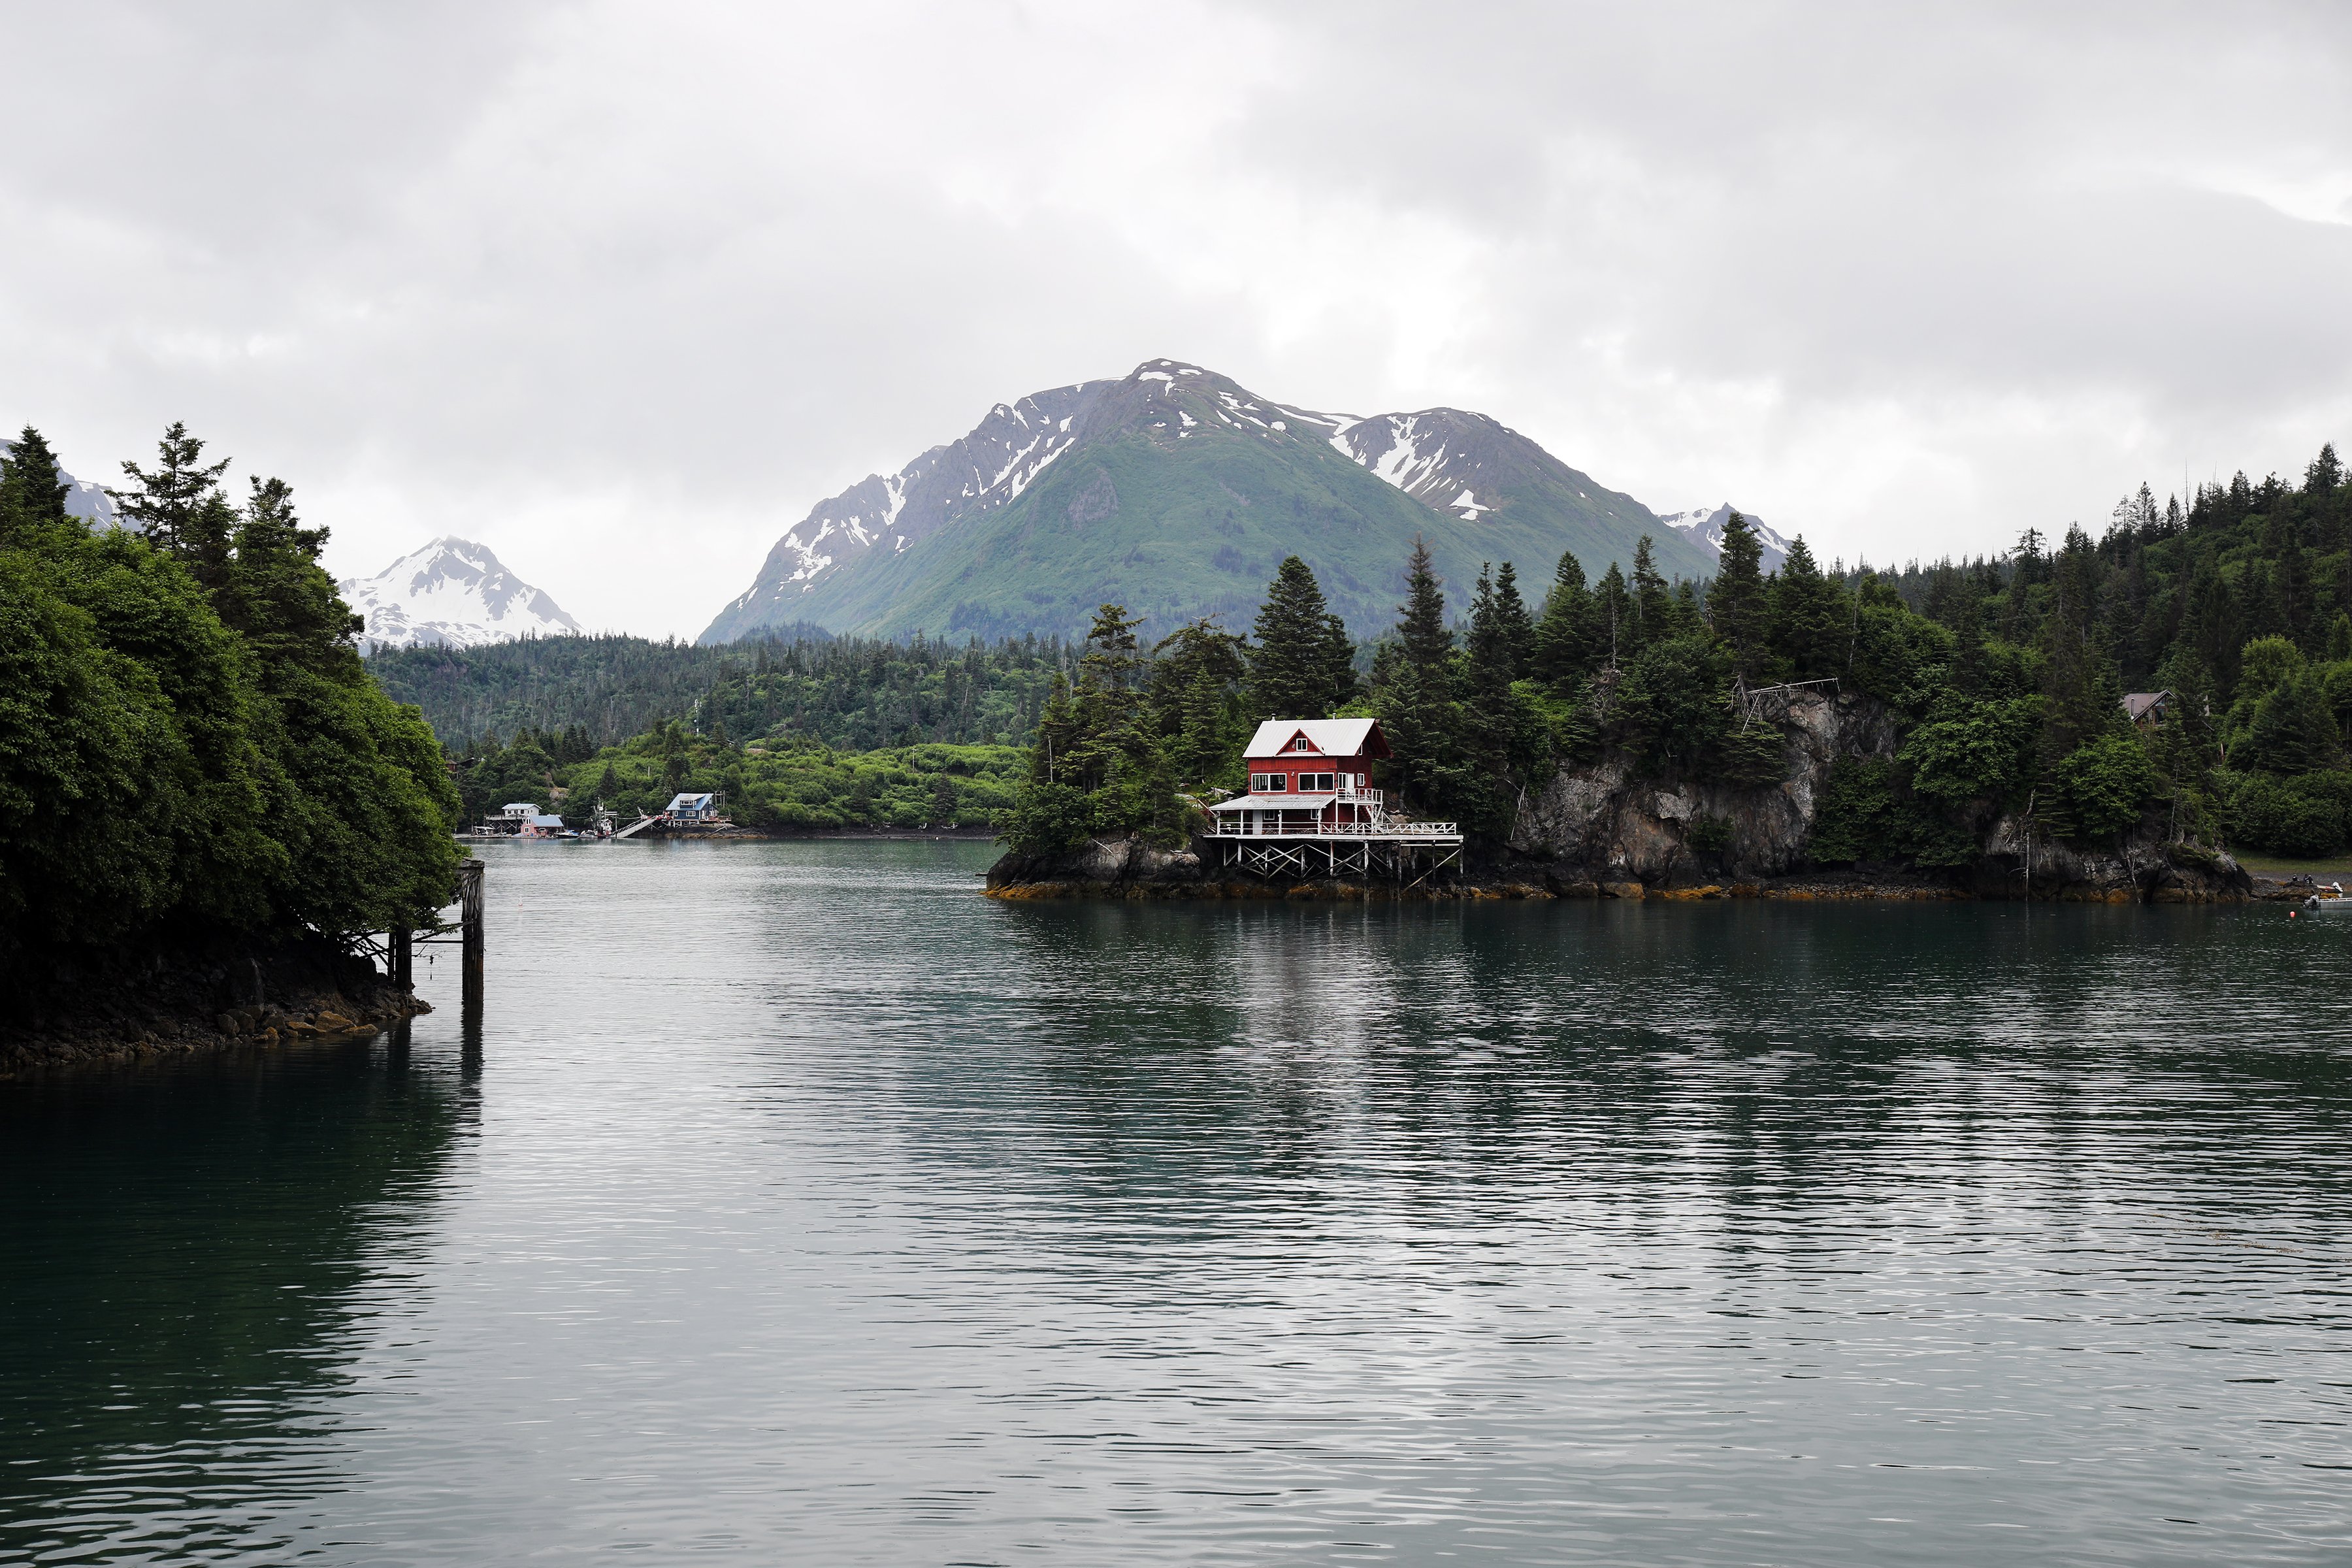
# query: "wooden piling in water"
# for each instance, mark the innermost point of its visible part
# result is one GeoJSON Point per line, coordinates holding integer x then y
{"type": "Point", "coordinates": [469, 919]}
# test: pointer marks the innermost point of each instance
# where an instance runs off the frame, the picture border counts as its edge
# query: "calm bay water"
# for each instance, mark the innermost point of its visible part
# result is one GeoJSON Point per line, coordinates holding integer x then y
{"type": "Point", "coordinates": [796, 1204]}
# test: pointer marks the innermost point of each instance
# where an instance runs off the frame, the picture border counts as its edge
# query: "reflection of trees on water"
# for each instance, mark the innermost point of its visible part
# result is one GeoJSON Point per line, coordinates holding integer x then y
{"type": "Point", "coordinates": [187, 1246]}
{"type": "Point", "coordinates": [1724, 1075]}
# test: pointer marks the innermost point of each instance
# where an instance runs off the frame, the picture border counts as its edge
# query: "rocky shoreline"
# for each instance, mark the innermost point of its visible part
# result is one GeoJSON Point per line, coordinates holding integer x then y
{"type": "Point", "coordinates": [194, 996]}
{"type": "Point", "coordinates": [1128, 868]}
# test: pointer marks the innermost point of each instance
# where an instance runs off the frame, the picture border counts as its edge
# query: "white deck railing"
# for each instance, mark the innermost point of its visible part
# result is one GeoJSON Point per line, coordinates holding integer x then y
{"type": "Point", "coordinates": [1234, 825]}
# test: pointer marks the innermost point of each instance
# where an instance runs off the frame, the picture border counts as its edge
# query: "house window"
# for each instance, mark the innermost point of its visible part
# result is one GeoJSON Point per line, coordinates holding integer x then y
{"type": "Point", "coordinates": [1302, 744]}
{"type": "Point", "coordinates": [1268, 783]}
{"type": "Point", "coordinates": [1317, 782]}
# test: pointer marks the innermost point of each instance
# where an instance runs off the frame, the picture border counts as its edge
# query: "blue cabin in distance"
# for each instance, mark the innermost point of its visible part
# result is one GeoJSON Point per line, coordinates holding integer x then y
{"type": "Point", "coordinates": [695, 808]}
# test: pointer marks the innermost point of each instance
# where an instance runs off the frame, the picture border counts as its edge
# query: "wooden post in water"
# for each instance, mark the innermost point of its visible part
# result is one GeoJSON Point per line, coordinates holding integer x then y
{"type": "Point", "coordinates": [400, 952]}
{"type": "Point", "coordinates": [469, 918]}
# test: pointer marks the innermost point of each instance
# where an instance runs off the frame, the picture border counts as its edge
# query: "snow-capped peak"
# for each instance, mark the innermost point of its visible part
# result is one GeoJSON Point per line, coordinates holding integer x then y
{"type": "Point", "coordinates": [1704, 527]}
{"type": "Point", "coordinates": [451, 593]}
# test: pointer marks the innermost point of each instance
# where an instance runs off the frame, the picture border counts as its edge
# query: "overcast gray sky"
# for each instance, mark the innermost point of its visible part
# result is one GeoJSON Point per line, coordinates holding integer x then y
{"type": "Point", "coordinates": [621, 291]}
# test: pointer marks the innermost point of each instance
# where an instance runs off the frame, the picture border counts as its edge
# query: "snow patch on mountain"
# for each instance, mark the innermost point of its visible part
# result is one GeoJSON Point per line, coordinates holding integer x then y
{"type": "Point", "coordinates": [451, 593]}
{"type": "Point", "coordinates": [990, 467]}
{"type": "Point", "coordinates": [1705, 529]}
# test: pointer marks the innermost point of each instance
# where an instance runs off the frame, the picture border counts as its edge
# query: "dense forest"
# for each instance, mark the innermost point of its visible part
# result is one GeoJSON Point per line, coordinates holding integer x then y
{"type": "Point", "coordinates": [2004, 677]}
{"type": "Point", "coordinates": [782, 783]}
{"type": "Point", "coordinates": [850, 693]}
{"type": "Point", "coordinates": [188, 740]}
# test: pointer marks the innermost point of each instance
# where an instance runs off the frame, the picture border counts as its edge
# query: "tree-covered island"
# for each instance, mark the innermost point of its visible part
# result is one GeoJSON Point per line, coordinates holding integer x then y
{"type": "Point", "coordinates": [203, 797]}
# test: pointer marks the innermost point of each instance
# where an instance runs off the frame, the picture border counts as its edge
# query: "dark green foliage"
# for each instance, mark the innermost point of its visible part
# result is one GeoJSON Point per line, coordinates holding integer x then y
{"type": "Point", "coordinates": [1864, 814]}
{"type": "Point", "coordinates": [1101, 740]}
{"type": "Point", "coordinates": [32, 490]}
{"type": "Point", "coordinates": [1902, 659]}
{"type": "Point", "coordinates": [1613, 618]}
{"type": "Point", "coordinates": [847, 692]}
{"type": "Point", "coordinates": [1512, 623]}
{"type": "Point", "coordinates": [1974, 749]}
{"type": "Point", "coordinates": [1503, 735]}
{"type": "Point", "coordinates": [2101, 786]}
{"type": "Point", "coordinates": [1670, 706]}
{"type": "Point", "coordinates": [187, 738]}
{"type": "Point", "coordinates": [1856, 816]}
{"type": "Point", "coordinates": [1812, 621]}
{"type": "Point", "coordinates": [1303, 666]}
{"type": "Point", "coordinates": [1197, 703]}
{"type": "Point", "coordinates": [1752, 757]}
{"type": "Point", "coordinates": [788, 784]}
{"type": "Point", "coordinates": [2293, 730]}
{"type": "Point", "coordinates": [1736, 602]}
{"type": "Point", "coordinates": [174, 506]}
{"type": "Point", "coordinates": [1563, 648]}
{"type": "Point", "coordinates": [1708, 834]}
{"type": "Point", "coordinates": [2302, 817]}
{"type": "Point", "coordinates": [1652, 613]}
{"type": "Point", "coordinates": [1048, 819]}
{"type": "Point", "coordinates": [1414, 692]}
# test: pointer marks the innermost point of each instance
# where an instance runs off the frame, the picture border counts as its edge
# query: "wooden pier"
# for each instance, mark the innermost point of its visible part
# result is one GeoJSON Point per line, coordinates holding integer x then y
{"type": "Point", "coordinates": [399, 950]}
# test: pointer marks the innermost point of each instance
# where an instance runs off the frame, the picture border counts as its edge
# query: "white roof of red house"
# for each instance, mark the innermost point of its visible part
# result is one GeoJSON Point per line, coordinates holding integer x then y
{"type": "Point", "coordinates": [1331, 737]}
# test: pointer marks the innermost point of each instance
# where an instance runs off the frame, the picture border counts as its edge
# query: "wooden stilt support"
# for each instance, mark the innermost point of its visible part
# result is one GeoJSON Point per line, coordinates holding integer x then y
{"type": "Point", "coordinates": [400, 954]}
{"type": "Point", "coordinates": [469, 918]}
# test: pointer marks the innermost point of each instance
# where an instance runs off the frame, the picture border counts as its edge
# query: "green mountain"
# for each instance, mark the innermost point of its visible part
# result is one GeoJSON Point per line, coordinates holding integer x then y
{"type": "Point", "coordinates": [1176, 492]}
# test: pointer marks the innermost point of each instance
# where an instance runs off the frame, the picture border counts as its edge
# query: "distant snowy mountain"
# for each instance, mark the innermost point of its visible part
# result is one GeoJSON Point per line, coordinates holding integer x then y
{"type": "Point", "coordinates": [451, 593]}
{"type": "Point", "coordinates": [85, 501]}
{"type": "Point", "coordinates": [1705, 529]}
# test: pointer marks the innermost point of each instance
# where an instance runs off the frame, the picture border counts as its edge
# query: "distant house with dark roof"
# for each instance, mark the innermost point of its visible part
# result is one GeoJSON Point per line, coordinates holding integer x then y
{"type": "Point", "coordinates": [2147, 710]}
{"type": "Point", "coordinates": [704, 807]}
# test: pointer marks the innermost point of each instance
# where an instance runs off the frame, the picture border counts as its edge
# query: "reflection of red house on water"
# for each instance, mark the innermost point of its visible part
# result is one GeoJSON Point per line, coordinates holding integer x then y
{"type": "Point", "coordinates": [1310, 799]}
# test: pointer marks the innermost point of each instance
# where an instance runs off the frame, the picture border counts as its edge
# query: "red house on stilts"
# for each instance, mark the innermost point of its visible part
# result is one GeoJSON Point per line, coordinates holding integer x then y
{"type": "Point", "coordinates": [1310, 798]}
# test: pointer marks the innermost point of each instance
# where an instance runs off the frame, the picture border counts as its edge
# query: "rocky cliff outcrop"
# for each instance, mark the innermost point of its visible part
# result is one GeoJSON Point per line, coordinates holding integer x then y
{"type": "Point", "coordinates": [1602, 825]}
{"type": "Point", "coordinates": [1623, 828]}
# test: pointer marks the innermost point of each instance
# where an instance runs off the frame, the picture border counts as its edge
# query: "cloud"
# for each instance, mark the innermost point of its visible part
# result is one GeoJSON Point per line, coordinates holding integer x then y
{"type": "Point", "coordinates": [625, 291]}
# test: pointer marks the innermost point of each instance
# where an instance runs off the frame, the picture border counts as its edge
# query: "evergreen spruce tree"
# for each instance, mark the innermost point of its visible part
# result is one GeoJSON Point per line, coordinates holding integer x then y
{"type": "Point", "coordinates": [2321, 479]}
{"type": "Point", "coordinates": [1564, 636]}
{"type": "Point", "coordinates": [1809, 620]}
{"type": "Point", "coordinates": [1290, 661]}
{"type": "Point", "coordinates": [1419, 708]}
{"type": "Point", "coordinates": [1517, 627]}
{"type": "Point", "coordinates": [1339, 683]}
{"type": "Point", "coordinates": [170, 504]}
{"type": "Point", "coordinates": [1502, 742]}
{"type": "Point", "coordinates": [1201, 748]}
{"type": "Point", "coordinates": [1653, 617]}
{"type": "Point", "coordinates": [2083, 695]}
{"type": "Point", "coordinates": [2293, 731]}
{"type": "Point", "coordinates": [32, 490]}
{"type": "Point", "coordinates": [1613, 616]}
{"type": "Point", "coordinates": [1736, 602]}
